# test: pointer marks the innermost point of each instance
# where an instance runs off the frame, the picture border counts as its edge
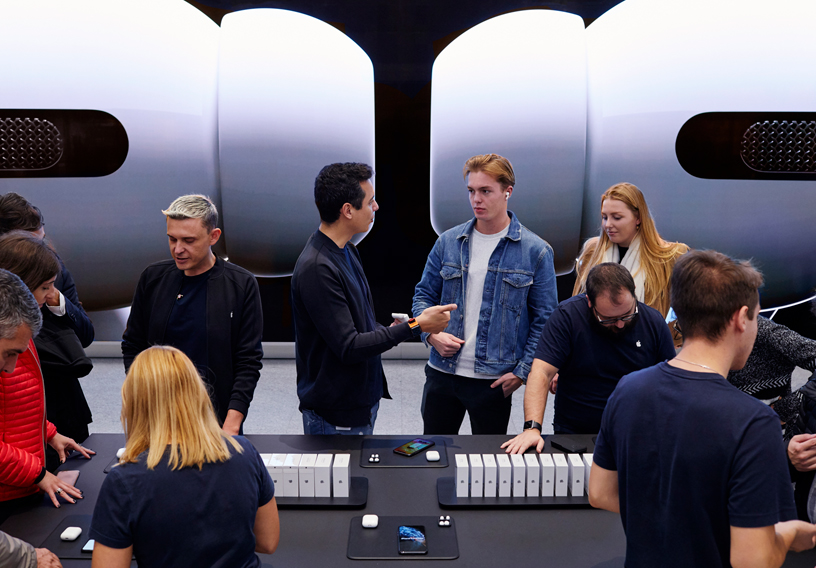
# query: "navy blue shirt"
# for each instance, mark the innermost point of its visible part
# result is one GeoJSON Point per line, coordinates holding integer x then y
{"type": "Point", "coordinates": [185, 518]}
{"type": "Point", "coordinates": [694, 457]}
{"type": "Point", "coordinates": [362, 289]}
{"type": "Point", "coordinates": [188, 320]}
{"type": "Point", "coordinates": [590, 361]}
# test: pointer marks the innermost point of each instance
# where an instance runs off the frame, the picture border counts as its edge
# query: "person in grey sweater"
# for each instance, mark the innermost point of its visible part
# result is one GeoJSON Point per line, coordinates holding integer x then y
{"type": "Point", "coordinates": [17, 553]}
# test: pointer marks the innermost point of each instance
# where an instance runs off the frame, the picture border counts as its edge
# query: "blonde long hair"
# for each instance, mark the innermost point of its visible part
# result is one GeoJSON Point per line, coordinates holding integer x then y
{"type": "Point", "coordinates": [165, 403]}
{"type": "Point", "coordinates": [657, 257]}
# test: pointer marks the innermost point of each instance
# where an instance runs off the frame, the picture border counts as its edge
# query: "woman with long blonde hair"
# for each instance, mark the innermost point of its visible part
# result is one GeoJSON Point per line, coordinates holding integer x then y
{"type": "Point", "coordinates": [628, 236]}
{"type": "Point", "coordinates": [184, 493]}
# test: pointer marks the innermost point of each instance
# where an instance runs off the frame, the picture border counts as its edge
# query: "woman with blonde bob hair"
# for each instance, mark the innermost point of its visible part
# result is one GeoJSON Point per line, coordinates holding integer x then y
{"type": "Point", "coordinates": [629, 237]}
{"type": "Point", "coordinates": [184, 493]}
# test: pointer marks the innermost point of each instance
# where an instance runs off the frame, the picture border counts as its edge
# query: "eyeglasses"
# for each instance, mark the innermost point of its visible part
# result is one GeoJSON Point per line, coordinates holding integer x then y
{"type": "Point", "coordinates": [613, 321]}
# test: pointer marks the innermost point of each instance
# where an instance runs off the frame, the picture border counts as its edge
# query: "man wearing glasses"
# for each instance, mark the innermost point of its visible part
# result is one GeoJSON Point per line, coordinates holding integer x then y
{"type": "Point", "coordinates": [590, 342]}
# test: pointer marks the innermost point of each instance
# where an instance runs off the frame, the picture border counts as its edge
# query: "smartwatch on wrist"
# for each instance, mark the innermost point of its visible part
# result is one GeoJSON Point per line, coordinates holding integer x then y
{"type": "Point", "coordinates": [415, 329]}
{"type": "Point", "coordinates": [532, 424]}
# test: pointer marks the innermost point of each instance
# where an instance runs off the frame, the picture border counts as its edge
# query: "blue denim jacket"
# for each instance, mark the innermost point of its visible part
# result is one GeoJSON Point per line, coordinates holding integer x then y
{"type": "Point", "coordinates": [519, 296]}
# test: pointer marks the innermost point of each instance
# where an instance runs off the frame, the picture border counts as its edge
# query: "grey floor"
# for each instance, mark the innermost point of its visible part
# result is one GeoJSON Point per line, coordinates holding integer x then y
{"type": "Point", "coordinates": [274, 408]}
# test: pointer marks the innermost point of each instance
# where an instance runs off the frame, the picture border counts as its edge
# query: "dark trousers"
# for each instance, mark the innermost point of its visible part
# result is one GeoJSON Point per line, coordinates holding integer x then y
{"type": "Point", "coordinates": [803, 480]}
{"type": "Point", "coordinates": [446, 397]}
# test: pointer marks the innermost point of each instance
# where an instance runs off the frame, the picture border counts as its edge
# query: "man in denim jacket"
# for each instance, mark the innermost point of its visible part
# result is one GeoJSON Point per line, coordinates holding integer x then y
{"type": "Point", "coordinates": [501, 276]}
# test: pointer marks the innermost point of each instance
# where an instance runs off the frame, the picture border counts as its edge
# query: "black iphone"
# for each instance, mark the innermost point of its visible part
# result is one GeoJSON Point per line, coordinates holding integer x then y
{"type": "Point", "coordinates": [413, 447]}
{"type": "Point", "coordinates": [412, 540]}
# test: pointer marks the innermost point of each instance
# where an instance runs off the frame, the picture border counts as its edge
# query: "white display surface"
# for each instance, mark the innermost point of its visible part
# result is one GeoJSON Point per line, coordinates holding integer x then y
{"type": "Point", "coordinates": [533, 113]}
{"type": "Point", "coordinates": [253, 108]}
{"type": "Point", "coordinates": [703, 56]}
{"type": "Point", "coordinates": [294, 94]}
{"type": "Point", "coordinates": [152, 65]}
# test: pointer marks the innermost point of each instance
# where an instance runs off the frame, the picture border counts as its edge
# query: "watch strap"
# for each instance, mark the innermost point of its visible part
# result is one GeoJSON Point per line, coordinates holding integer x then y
{"type": "Point", "coordinates": [532, 424]}
{"type": "Point", "coordinates": [416, 331]}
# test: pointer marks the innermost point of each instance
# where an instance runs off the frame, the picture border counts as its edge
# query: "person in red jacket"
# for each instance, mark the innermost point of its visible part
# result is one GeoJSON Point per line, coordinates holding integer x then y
{"type": "Point", "coordinates": [24, 428]}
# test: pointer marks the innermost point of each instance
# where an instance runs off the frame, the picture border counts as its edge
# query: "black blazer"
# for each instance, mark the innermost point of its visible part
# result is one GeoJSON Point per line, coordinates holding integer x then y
{"type": "Point", "coordinates": [232, 336]}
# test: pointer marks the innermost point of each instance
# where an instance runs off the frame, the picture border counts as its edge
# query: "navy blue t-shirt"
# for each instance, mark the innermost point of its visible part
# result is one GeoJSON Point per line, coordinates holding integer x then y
{"type": "Point", "coordinates": [371, 321]}
{"type": "Point", "coordinates": [694, 456]}
{"type": "Point", "coordinates": [187, 323]}
{"type": "Point", "coordinates": [186, 517]}
{"type": "Point", "coordinates": [590, 361]}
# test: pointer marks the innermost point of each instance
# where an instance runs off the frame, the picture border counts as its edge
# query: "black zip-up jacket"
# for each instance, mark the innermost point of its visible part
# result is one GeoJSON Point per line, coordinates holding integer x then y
{"type": "Point", "coordinates": [233, 334]}
{"type": "Point", "coordinates": [339, 370]}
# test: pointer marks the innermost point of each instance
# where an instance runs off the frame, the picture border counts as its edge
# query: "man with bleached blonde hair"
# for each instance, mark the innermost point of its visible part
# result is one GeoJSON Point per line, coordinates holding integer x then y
{"type": "Point", "coordinates": [208, 308]}
{"type": "Point", "coordinates": [194, 207]}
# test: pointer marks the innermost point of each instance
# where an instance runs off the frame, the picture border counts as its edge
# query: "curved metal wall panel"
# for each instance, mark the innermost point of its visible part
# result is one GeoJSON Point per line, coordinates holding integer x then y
{"type": "Point", "coordinates": [295, 94]}
{"type": "Point", "coordinates": [515, 85]}
{"type": "Point", "coordinates": [150, 64]}
{"type": "Point", "coordinates": [655, 65]}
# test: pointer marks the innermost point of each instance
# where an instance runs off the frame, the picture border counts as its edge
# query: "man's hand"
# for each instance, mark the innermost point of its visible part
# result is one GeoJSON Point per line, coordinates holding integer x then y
{"type": "Point", "coordinates": [445, 344]}
{"type": "Point", "coordinates": [526, 439]}
{"type": "Point", "coordinates": [63, 446]}
{"type": "Point", "coordinates": [54, 486]}
{"type": "Point", "coordinates": [435, 318]}
{"type": "Point", "coordinates": [232, 423]}
{"type": "Point", "coordinates": [47, 559]}
{"type": "Point", "coordinates": [802, 452]}
{"type": "Point", "coordinates": [508, 382]}
{"type": "Point", "coordinates": [554, 384]}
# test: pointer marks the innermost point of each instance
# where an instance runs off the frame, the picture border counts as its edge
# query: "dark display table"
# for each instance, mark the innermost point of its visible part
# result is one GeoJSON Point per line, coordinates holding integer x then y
{"type": "Point", "coordinates": [487, 537]}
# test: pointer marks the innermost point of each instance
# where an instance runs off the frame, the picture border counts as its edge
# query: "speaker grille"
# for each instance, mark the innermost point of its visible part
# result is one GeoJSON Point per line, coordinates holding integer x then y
{"type": "Point", "coordinates": [780, 146]}
{"type": "Point", "coordinates": [29, 144]}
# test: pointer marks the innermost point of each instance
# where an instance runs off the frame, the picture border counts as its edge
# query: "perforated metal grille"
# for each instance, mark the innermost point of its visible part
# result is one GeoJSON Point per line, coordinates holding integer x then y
{"type": "Point", "coordinates": [29, 144]}
{"type": "Point", "coordinates": [780, 146]}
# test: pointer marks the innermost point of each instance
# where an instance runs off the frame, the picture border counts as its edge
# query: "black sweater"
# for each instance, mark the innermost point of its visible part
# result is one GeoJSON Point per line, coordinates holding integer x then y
{"type": "Point", "coordinates": [339, 371]}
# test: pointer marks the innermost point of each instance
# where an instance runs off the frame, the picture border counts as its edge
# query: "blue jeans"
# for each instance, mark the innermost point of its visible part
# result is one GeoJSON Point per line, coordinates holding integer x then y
{"type": "Point", "coordinates": [314, 425]}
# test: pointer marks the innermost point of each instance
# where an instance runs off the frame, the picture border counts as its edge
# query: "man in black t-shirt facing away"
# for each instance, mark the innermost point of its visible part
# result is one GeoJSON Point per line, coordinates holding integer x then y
{"type": "Point", "coordinates": [590, 342]}
{"type": "Point", "coordinates": [338, 341]}
{"type": "Point", "coordinates": [695, 467]}
{"type": "Point", "coordinates": [208, 308]}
